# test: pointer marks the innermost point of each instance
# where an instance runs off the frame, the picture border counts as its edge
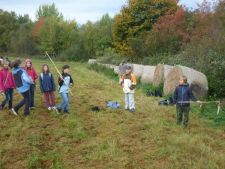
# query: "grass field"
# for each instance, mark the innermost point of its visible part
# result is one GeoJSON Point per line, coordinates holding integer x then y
{"type": "Point", "coordinates": [109, 139]}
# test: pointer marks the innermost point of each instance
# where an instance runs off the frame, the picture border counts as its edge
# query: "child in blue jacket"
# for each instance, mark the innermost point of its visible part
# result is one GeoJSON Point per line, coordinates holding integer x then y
{"type": "Point", "coordinates": [182, 97]}
{"type": "Point", "coordinates": [23, 82]}
{"type": "Point", "coordinates": [64, 86]}
{"type": "Point", "coordinates": [47, 87]}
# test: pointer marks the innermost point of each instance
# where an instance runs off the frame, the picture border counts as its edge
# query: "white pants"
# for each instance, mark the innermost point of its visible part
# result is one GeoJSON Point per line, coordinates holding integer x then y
{"type": "Point", "coordinates": [129, 101]}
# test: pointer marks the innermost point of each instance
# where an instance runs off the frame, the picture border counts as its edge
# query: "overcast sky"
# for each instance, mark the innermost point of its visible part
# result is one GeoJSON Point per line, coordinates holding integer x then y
{"type": "Point", "coordinates": [80, 10]}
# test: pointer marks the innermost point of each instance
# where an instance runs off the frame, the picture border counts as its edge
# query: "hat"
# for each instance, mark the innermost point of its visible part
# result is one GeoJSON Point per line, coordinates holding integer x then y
{"type": "Point", "coordinates": [65, 67]}
{"type": "Point", "coordinates": [128, 67]}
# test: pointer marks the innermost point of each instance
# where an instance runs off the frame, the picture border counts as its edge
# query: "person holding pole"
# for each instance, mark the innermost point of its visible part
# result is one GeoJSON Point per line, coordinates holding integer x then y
{"type": "Point", "coordinates": [65, 81]}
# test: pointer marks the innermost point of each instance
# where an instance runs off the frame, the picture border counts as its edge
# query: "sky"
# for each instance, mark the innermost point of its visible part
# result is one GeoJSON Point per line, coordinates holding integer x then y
{"type": "Point", "coordinates": [79, 10]}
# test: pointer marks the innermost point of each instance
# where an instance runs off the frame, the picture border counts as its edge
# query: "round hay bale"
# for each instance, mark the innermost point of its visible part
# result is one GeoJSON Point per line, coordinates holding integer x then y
{"type": "Point", "coordinates": [116, 70]}
{"type": "Point", "coordinates": [148, 74]}
{"type": "Point", "coordinates": [122, 69]}
{"type": "Point", "coordinates": [197, 81]}
{"type": "Point", "coordinates": [137, 70]}
{"type": "Point", "coordinates": [92, 61]}
{"type": "Point", "coordinates": [161, 72]}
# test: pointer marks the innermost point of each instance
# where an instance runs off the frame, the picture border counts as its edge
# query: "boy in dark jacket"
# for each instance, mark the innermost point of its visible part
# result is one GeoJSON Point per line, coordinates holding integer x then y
{"type": "Point", "coordinates": [182, 97]}
{"type": "Point", "coordinates": [47, 87]}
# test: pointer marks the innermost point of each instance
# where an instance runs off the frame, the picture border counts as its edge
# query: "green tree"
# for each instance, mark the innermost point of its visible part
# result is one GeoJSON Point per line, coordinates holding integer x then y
{"type": "Point", "coordinates": [48, 11]}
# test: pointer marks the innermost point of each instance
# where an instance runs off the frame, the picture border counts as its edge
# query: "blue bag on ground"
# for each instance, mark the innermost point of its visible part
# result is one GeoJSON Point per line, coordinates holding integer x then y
{"type": "Point", "coordinates": [113, 105]}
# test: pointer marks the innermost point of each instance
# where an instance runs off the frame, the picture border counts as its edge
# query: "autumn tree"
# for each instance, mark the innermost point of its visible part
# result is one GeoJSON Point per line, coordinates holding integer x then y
{"type": "Point", "coordinates": [135, 19]}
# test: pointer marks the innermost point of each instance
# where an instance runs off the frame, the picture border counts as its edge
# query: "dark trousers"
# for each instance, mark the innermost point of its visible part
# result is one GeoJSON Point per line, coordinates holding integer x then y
{"type": "Point", "coordinates": [8, 98]}
{"type": "Point", "coordinates": [183, 111]}
{"type": "Point", "coordinates": [25, 101]}
{"type": "Point", "coordinates": [32, 89]}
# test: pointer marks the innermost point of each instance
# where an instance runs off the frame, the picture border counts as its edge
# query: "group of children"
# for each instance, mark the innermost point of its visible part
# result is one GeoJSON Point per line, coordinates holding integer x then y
{"type": "Point", "coordinates": [12, 76]}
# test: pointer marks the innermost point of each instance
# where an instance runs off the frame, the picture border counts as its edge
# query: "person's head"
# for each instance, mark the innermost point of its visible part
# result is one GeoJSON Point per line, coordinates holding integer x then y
{"type": "Point", "coordinates": [45, 68]}
{"type": "Point", "coordinates": [16, 63]}
{"type": "Point", "coordinates": [183, 80]}
{"type": "Point", "coordinates": [66, 69]}
{"type": "Point", "coordinates": [28, 63]}
{"type": "Point", "coordinates": [128, 69]}
{"type": "Point", "coordinates": [5, 64]}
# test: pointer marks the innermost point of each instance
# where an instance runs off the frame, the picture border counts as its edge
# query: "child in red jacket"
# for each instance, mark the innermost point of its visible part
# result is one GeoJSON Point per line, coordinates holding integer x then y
{"type": "Point", "coordinates": [34, 76]}
{"type": "Point", "coordinates": [7, 85]}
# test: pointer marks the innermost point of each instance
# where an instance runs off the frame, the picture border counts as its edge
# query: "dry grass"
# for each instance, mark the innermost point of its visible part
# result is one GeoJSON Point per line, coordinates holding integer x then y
{"type": "Point", "coordinates": [110, 139]}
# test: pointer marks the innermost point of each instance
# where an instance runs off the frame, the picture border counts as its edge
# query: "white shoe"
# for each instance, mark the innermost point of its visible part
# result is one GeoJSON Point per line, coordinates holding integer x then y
{"type": "Point", "coordinates": [49, 108]}
{"type": "Point", "coordinates": [14, 112]}
{"type": "Point", "coordinates": [54, 108]}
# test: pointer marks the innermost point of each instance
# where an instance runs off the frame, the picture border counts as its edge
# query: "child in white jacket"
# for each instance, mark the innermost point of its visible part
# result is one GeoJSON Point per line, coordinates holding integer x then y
{"type": "Point", "coordinates": [129, 82]}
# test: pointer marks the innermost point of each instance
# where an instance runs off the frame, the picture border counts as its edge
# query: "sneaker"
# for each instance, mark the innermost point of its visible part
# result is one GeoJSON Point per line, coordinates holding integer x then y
{"type": "Point", "coordinates": [132, 110]}
{"type": "Point", "coordinates": [49, 108]}
{"type": "Point", "coordinates": [32, 108]}
{"type": "Point", "coordinates": [14, 112]}
{"type": "Point", "coordinates": [54, 108]}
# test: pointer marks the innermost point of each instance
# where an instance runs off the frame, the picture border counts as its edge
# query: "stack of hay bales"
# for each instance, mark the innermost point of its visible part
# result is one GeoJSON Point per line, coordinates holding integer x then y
{"type": "Point", "coordinates": [92, 61]}
{"type": "Point", "coordinates": [197, 81]}
{"type": "Point", "coordinates": [148, 74]}
{"type": "Point", "coordinates": [138, 70]}
{"type": "Point", "coordinates": [160, 74]}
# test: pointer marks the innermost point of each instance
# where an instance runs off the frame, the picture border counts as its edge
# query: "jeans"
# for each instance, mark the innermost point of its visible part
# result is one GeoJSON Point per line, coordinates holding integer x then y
{"type": "Point", "coordinates": [25, 101]}
{"type": "Point", "coordinates": [183, 111]}
{"type": "Point", "coordinates": [49, 99]}
{"type": "Point", "coordinates": [129, 101]}
{"type": "Point", "coordinates": [8, 98]}
{"type": "Point", "coordinates": [64, 105]}
{"type": "Point", "coordinates": [32, 90]}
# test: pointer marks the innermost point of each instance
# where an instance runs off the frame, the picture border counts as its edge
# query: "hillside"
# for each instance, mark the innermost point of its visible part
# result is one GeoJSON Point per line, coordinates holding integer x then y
{"type": "Point", "coordinates": [109, 139]}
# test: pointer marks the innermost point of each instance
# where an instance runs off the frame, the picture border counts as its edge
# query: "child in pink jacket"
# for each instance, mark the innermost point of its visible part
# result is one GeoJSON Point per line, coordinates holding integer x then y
{"type": "Point", "coordinates": [7, 85]}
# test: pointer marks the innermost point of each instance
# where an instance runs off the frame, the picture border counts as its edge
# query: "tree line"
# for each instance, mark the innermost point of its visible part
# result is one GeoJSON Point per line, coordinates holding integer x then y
{"type": "Point", "coordinates": [144, 31]}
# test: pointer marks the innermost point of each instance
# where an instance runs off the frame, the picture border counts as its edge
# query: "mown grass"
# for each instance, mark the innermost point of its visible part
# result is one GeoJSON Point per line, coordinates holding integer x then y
{"type": "Point", "coordinates": [109, 139]}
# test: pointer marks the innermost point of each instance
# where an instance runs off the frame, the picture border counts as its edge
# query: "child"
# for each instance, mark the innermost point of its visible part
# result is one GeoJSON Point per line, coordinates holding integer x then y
{"type": "Point", "coordinates": [64, 83]}
{"type": "Point", "coordinates": [182, 97]}
{"type": "Point", "coordinates": [7, 85]}
{"type": "Point", "coordinates": [128, 81]}
{"type": "Point", "coordinates": [34, 76]}
{"type": "Point", "coordinates": [47, 87]}
{"type": "Point", "coordinates": [23, 83]}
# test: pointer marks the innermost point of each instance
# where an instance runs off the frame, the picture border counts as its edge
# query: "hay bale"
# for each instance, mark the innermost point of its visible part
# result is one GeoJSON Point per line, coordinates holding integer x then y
{"type": "Point", "coordinates": [161, 72]}
{"type": "Point", "coordinates": [116, 70]}
{"type": "Point", "coordinates": [197, 81]}
{"type": "Point", "coordinates": [148, 74]}
{"type": "Point", "coordinates": [92, 61]}
{"type": "Point", "coordinates": [122, 68]}
{"type": "Point", "coordinates": [137, 70]}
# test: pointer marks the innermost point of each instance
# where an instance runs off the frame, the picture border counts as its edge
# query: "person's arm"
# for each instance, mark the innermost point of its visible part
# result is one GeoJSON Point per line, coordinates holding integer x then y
{"type": "Point", "coordinates": [192, 97]}
{"type": "Point", "coordinates": [175, 95]}
{"type": "Point", "coordinates": [27, 78]}
{"type": "Point", "coordinates": [53, 82]}
{"type": "Point", "coordinates": [40, 84]}
{"type": "Point", "coordinates": [1, 83]}
{"type": "Point", "coordinates": [133, 82]}
{"type": "Point", "coordinates": [35, 74]}
{"type": "Point", "coordinates": [122, 80]}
